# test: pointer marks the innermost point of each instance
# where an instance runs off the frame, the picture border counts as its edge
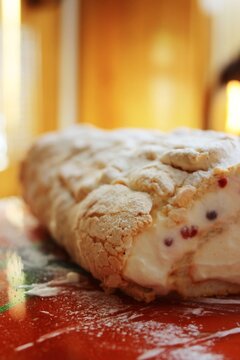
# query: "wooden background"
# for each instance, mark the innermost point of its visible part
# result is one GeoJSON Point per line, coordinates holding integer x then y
{"type": "Point", "coordinates": [41, 113]}
{"type": "Point", "coordinates": [141, 63]}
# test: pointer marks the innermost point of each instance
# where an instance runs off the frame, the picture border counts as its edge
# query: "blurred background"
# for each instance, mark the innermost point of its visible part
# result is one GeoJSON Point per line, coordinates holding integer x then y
{"type": "Point", "coordinates": [146, 63]}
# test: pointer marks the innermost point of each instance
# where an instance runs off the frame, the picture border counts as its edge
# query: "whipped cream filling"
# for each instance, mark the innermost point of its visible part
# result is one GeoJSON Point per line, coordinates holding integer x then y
{"type": "Point", "coordinates": [208, 234]}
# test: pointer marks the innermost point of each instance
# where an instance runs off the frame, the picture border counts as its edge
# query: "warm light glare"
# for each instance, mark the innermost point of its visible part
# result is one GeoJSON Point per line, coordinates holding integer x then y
{"type": "Point", "coordinates": [233, 107]}
{"type": "Point", "coordinates": [3, 145]}
{"type": "Point", "coordinates": [11, 61]}
{"type": "Point", "coordinates": [15, 213]}
{"type": "Point", "coordinates": [16, 278]}
{"type": "Point", "coordinates": [212, 7]}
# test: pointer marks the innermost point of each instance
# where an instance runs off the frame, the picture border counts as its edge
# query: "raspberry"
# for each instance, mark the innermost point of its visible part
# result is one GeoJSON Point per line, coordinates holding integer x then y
{"type": "Point", "coordinates": [168, 241]}
{"type": "Point", "coordinates": [189, 231]}
{"type": "Point", "coordinates": [211, 215]}
{"type": "Point", "coordinates": [222, 182]}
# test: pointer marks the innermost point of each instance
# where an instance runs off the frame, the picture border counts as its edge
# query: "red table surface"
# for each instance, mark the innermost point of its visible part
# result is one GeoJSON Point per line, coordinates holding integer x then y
{"type": "Point", "coordinates": [82, 322]}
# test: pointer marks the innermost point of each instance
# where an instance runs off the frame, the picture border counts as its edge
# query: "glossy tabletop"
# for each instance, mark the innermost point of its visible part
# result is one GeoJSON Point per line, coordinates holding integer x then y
{"type": "Point", "coordinates": [52, 309]}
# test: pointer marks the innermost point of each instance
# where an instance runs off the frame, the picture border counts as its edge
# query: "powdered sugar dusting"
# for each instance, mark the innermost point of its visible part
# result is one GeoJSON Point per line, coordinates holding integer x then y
{"type": "Point", "coordinates": [194, 353]}
{"type": "Point", "coordinates": [225, 301]}
{"type": "Point", "coordinates": [24, 346]}
{"type": "Point", "coordinates": [149, 354]}
{"type": "Point", "coordinates": [56, 333]}
{"type": "Point", "coordinates": [134, 327]}
{"type": "Point", "coordinates": [67, 307]}
{"type": "Point", "coordinates": [43, 291]}
{"type": "Point", "coordinates": [153, 338]}
{"type": "Point", "coordinates": [47, 289]}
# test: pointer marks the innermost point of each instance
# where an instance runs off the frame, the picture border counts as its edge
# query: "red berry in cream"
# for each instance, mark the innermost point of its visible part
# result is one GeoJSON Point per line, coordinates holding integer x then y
{"type": "Point", "coordinates": [168, 241]}
{"type": "Point", "coordinates": [222, 182]}
{"type": "Point", "coordinates": [189, 231]}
